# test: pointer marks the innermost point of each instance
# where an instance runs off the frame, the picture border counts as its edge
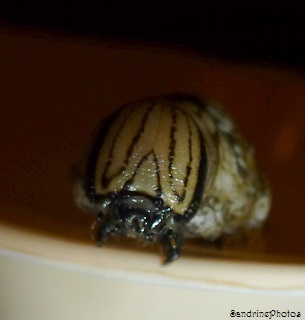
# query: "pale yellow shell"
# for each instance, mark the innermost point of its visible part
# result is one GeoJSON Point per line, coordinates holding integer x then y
{"type": "Point", "coordinates": [155, 148]}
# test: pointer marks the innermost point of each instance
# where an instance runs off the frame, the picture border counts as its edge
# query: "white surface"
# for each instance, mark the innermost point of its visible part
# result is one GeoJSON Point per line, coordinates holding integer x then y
{"type": "Point", "coordinates": [56, 279]}
{"type": "Point", "coordinates": [37, 289]}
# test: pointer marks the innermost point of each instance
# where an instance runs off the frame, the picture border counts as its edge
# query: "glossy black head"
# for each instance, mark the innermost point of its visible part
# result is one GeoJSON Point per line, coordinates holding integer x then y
{"type": "Point", "coordinates": [140, 216]}
{"type": "Point", "coordinates": [135, 215]}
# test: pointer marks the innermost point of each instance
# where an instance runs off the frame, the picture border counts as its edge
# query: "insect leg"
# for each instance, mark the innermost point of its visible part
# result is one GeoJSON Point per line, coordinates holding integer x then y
{"type": "Point", "coordinates": [171, 243]}
{"type": "Point", "coordinates": [104, 228]}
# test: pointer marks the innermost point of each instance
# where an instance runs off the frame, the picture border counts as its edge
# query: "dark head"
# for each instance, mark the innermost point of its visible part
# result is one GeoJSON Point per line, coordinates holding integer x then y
{"type": "Point", "coordinates": [135, 215]}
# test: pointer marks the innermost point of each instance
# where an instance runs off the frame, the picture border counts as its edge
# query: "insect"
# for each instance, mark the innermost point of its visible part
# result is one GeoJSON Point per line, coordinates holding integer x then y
{"type": "Point", "coordinates": [171, 167]}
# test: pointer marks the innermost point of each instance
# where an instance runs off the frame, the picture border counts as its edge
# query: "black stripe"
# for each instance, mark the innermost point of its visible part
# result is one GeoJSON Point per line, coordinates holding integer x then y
{"type": "Point", "coordinates": [171, 154]}
{"type": "Point", "coordinates": [97, 142]}
{"type": "Point", "coordinates": [198, 194]}
{"type": "Point", "coordinates": [159, 192]}
{"type": "Point", "coordinates": [138, 135]}
{"type": "Point", "coordinates": [189, 165]}
{"type": "Point", "coordinates": [105, 180]}
{"type": "Point", "coordinates": [180, 196]}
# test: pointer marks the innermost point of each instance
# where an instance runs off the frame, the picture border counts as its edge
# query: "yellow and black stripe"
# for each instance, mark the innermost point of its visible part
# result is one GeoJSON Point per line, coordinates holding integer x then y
{"type": "Point", "coordinates": [152, 147]}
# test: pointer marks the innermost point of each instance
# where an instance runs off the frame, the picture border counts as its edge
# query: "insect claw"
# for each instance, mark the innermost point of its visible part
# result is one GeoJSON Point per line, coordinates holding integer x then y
{"type": "Point", "coordinates": [171, 256]}
{"type": "Point", "coordinates": [101, 236]}
{"type": "Point", "coordinates": [171, 244]}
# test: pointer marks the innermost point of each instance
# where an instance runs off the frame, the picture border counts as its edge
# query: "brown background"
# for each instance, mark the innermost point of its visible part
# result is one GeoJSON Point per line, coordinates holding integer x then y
{"type": "Point", "coordinates": [54, 89]}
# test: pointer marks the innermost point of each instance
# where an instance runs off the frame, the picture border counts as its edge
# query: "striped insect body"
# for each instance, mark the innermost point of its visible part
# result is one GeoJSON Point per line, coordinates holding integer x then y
{"type": "Point", "coordinates": [171, 167]}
